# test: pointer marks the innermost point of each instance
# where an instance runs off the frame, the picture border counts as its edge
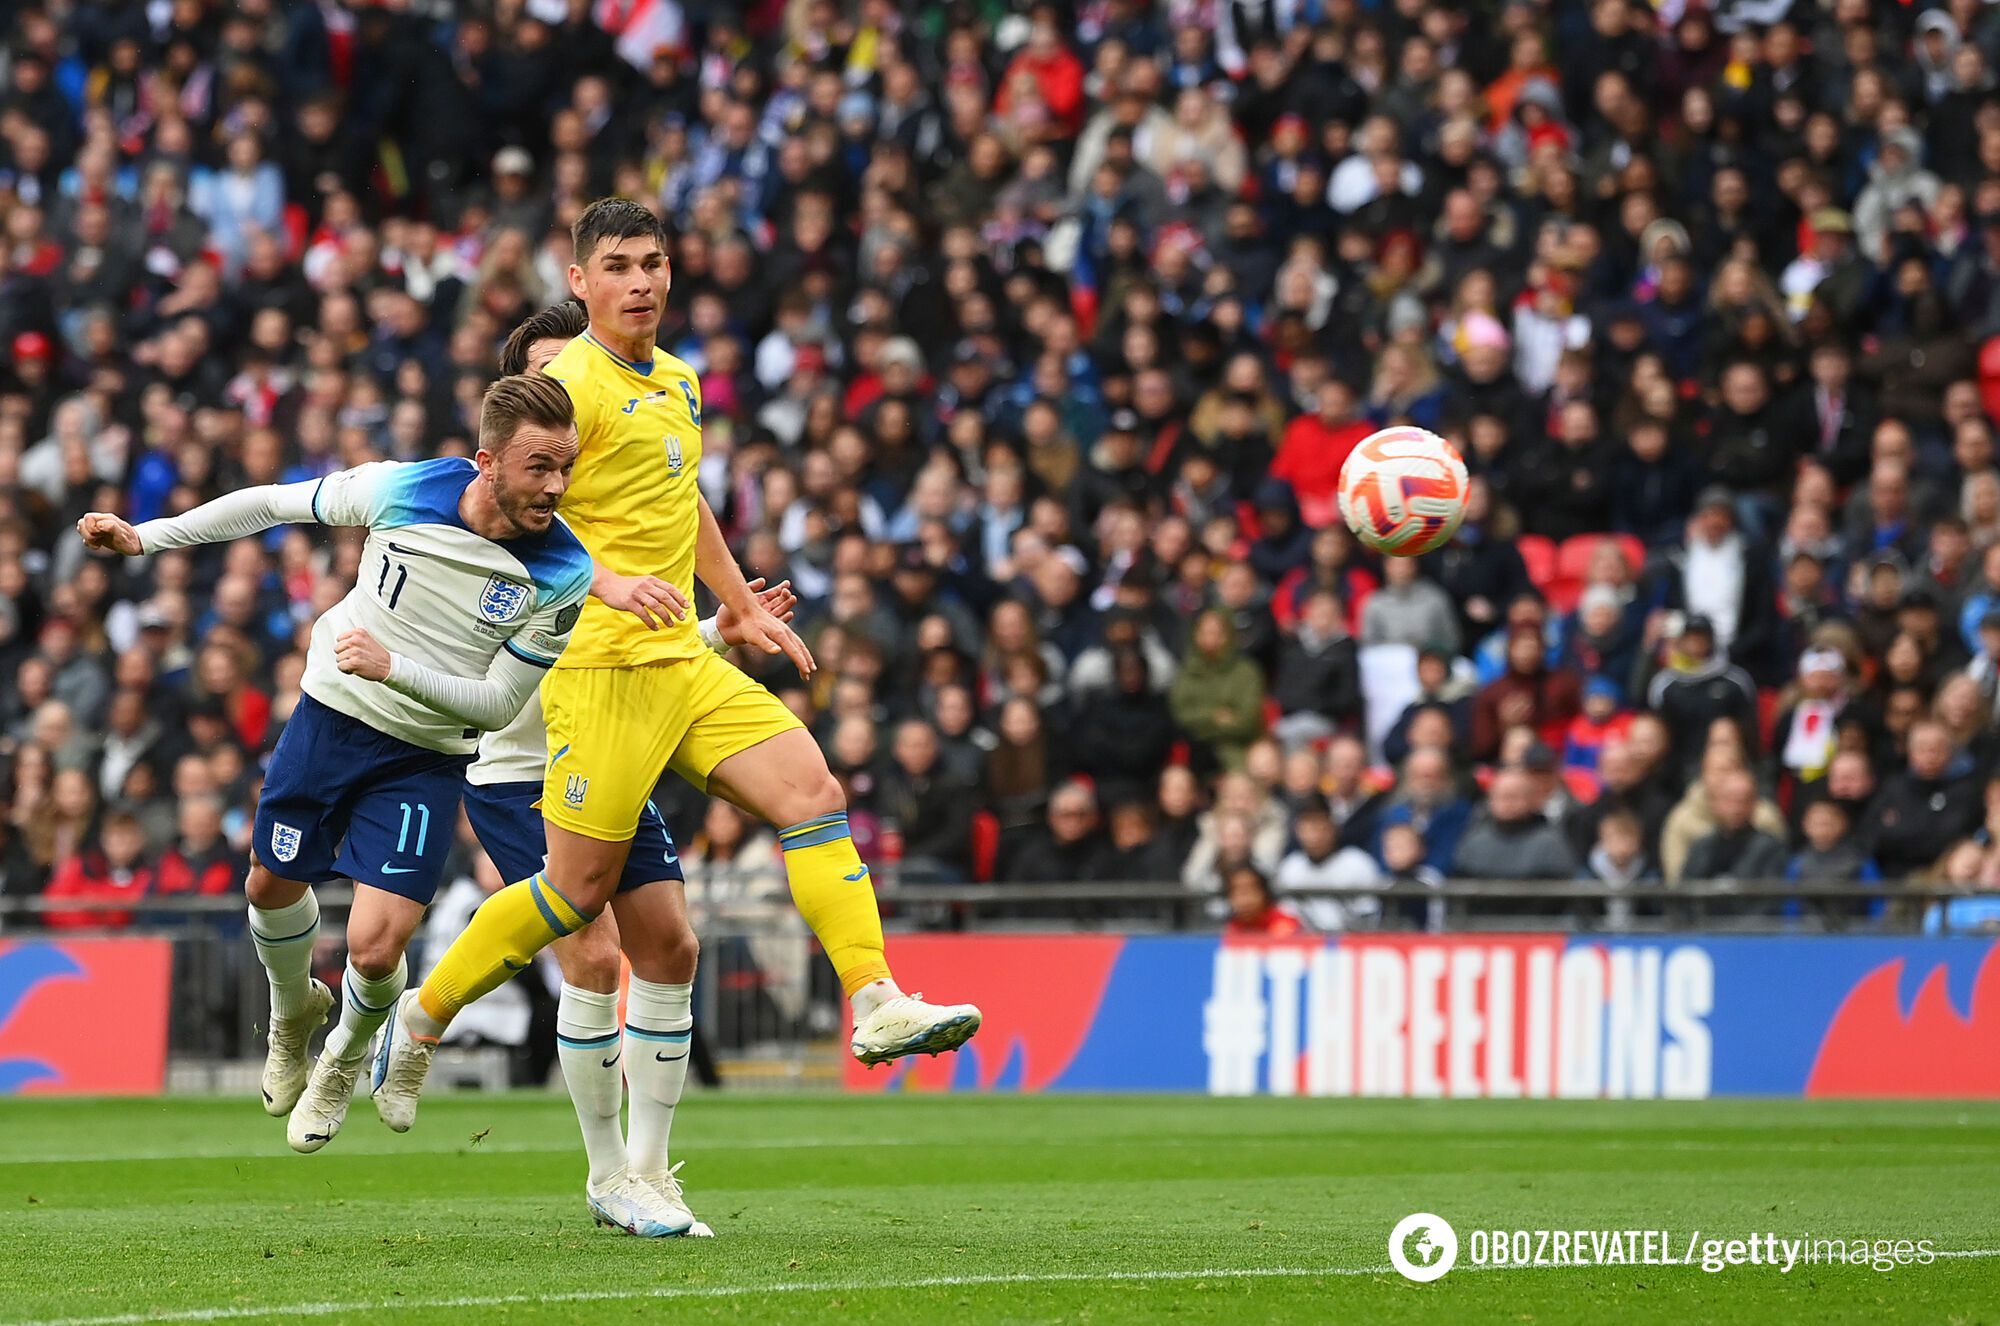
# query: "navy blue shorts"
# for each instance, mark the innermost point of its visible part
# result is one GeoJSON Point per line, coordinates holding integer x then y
{"type": "Point", "coordinates": [509, 826]}
{"type": "Point", "coordinates": [343, 801]}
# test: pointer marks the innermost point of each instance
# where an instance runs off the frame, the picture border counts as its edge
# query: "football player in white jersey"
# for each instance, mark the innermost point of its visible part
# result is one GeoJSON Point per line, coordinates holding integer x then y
{"type": "Point", "coordinates": [504, 789]}
{"type": "Point", "coordinates": [468, 590]}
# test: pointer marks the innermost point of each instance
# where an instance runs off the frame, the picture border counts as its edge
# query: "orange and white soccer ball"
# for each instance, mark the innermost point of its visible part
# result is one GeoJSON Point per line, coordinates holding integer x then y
{"type": "Point", "coordinates": [1403, 491]}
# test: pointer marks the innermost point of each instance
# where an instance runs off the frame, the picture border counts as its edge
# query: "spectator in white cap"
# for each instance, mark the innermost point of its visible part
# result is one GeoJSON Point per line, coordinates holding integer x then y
{"type": "Point", "coordinates": [1805, 738]}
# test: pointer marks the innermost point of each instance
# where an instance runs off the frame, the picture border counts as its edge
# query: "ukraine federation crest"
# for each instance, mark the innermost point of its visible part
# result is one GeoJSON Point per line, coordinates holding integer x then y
{"type": "Point", "coordinates": [674, 458]}
{"type": "Point", "coordinates": [575, 787]}
{"type": "Point", "coordinates": [502, 600]}
{"type": "Point", "coordinates": [285, 842]}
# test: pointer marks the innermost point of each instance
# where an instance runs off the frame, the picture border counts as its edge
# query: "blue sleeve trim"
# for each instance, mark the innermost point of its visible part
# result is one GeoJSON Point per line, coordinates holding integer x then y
{"type": "Point", "coordinates": [315, 501]}
{"type": "Point", "coordinates": [522, 654]}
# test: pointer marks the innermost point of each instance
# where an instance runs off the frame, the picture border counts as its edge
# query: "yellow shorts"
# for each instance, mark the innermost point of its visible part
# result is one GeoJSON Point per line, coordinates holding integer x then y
{"type": "Point", "coordinates": [613, 732]}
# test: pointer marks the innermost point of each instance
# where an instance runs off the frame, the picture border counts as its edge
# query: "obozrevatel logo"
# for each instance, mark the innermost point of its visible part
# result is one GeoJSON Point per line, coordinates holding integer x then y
{"type": "Point", "coordinates": [1422, 1247]}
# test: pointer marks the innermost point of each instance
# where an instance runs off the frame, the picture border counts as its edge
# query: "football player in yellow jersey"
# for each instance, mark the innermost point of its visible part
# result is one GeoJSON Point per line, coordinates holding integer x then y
{"type": "Point", "coordinates": [625, 704]}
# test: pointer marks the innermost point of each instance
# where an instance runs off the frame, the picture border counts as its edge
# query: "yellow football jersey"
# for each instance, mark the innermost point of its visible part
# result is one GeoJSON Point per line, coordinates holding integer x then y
{"type": "Point", "coordinates": [632, 498]}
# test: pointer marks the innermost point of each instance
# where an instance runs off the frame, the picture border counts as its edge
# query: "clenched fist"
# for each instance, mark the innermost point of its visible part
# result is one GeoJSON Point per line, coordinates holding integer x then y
{"type": "Point", "coordinates": [104, 532]}
{"type": "Point", "coordinates": [362, 655]}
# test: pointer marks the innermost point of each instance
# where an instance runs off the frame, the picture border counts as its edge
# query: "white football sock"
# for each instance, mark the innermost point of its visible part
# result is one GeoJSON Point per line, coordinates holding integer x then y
{"type": "Point", "coordinates": [365, 1004]}
{"type": "Point", "coordinates": [284, 938]}
{"type": "Point", "coordinates": [872, 996]}
{"type": "Point", "coordinates": [587, 1047]}
{"type": "Point", "coordinates": [659, 1029]}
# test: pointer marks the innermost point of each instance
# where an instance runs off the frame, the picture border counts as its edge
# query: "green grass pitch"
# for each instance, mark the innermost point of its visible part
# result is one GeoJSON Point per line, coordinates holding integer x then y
{"type": "Point", "coordinates": [975, 1210]}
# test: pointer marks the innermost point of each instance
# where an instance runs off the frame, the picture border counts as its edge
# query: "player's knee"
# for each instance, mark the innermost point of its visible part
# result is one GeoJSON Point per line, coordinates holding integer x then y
{"type": "Point", "coordinates": [374, 955]}
{"type": "Point", "coordinates": [264, 889]}
{"type": "Point", "coordinates": [589, 959]}
{"type": "Point", "coordinates": [815, 797]}
{"type": "Point", "coordinates": [667, 958]}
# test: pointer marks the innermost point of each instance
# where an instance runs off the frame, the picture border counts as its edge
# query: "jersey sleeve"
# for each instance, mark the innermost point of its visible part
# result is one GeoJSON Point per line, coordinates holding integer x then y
{"type": "Point", "coordinates": [358, 496]}
{"type": "Point", "coordinates": [234, 515]}
{"type": "Point", "coordinates": [544, 635]}
{"type": "Point", "coordinates": [488, 703]}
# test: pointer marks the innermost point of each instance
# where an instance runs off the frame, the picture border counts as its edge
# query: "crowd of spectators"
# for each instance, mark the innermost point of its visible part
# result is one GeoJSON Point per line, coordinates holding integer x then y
{"type": "Point", "coordinates": [1032, 339]}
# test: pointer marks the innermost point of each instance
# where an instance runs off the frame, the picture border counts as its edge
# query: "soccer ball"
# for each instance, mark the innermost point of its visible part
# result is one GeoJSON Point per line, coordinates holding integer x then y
{"type": "Point", "coordinates": [1402, 491]}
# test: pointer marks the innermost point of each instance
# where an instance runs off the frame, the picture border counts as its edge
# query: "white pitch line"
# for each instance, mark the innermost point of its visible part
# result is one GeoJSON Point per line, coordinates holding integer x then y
{"type": "Point", "coordinates": [386, 1148]}
{"type": "Point", "coordinates": [700, 1291]}
{"type": "Point", "coordinates": [783, 1287]}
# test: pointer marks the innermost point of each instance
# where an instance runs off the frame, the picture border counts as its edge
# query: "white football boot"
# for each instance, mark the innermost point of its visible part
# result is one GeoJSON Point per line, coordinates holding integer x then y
{"type": "Point", "coordinates": [285, 1063]}
{"type": "Point", "coordinates": [667, 1187]}
{"type": "Point", "coordinates": [908, 1025]}
{"type": "Point", "coordinates": [637, 1208]}
{"type": "Point", "coordinates": [317, 1118]}
{"type": "Point", "coordinates": [402, 1061]}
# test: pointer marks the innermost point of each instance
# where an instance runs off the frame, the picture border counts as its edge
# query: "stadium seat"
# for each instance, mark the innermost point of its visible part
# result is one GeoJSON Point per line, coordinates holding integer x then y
{"type": "Point", "coordinates": [985, 845]}
{"type": "Point", "coordinates": [1539, 555]}
{"type": "Point", "coordinates": [1573, 558]}
{"type": "Point", "coordinates": [1562, 592]}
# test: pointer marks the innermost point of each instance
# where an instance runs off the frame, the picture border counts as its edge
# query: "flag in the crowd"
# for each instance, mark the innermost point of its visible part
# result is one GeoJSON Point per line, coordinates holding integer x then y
{"type": "Point", "coordinates": [643, 27]}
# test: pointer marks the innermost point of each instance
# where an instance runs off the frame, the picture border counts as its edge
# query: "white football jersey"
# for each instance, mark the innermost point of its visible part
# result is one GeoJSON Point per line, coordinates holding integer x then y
{"type": "Point", "coordinates": [517, 753]}
{"type": "Point", "coordinates": [434, 591]}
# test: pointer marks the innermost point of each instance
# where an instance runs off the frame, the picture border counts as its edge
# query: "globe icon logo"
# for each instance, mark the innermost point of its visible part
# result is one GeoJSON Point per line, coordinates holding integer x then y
{"type": "Point", "coordinates": [1423, 1247]}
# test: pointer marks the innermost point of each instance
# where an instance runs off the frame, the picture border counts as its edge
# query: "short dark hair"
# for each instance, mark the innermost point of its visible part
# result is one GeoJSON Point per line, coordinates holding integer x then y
{"type": "Point", "coordinates": [612, 219]}
{"type": "Point", "coordinates": [522, 398]}
{"type": "Point", "coordinates": [559, 322]}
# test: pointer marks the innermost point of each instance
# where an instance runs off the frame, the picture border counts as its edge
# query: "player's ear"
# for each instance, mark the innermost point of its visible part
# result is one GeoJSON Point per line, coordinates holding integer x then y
{"type": "Point", "coordinates": [576, 286]}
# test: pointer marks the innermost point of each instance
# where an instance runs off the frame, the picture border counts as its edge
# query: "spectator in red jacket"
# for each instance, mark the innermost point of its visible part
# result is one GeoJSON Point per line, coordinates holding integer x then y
{"type": "Point", "coordinates": [109, 870]}
{"type": "Point", "coordinates": [1528, 694]}
{"type": "Point", "coordinates": [1254, 910]}
{"type": "Point", "coordinates": [1055, 70]}
{"type": "Point", "coordinates": [1314, 448]}
{"type": "Point", "coordinates": [201, 863]}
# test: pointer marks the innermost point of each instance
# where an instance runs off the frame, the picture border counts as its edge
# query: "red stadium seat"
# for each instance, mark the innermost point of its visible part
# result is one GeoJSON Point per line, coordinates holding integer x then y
{"type": "Point", "coordinates": [985, 844]}
{"type": "Point", "coordinates": [1540, 557]}
{"type": "Point", "coordinates": [1635, 550]}
{"type": "Point", "coordinates": [1562, 592]}
{"type": "Point", "coordinates": [1573, 558]}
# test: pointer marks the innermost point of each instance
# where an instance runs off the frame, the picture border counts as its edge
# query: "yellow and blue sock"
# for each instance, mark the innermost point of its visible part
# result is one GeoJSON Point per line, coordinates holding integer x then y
{"type": "Point", "coordinates": [504, 936]}
{"type": "Point", "coordinates": [833, 892]}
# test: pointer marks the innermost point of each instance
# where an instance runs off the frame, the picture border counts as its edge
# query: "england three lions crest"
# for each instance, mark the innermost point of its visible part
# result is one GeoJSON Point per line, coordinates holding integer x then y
{"type": "Point", "coordinates": [502, 600]}
{"type": "Point", "coordinates": [285, 842]}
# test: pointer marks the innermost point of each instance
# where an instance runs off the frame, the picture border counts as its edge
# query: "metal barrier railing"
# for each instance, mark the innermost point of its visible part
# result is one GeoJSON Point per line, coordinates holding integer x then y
{"type": "Point", "coordinates": [1883, 906]}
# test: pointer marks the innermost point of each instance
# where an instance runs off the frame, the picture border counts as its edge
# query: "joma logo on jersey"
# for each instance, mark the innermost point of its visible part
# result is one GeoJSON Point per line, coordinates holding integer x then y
{"type": "Point", "coordinates": [575, 787]}
{"type": "Point", "coordinates": [694, 410]}
{"type": "Point", "coordinates": [502, 600]}
{"type": "Point", "coordinates": [285, 842]}
{"type": "Point", "coordinates": [674, 458]}
{"type": "Point", "coordinates": [647, 399]}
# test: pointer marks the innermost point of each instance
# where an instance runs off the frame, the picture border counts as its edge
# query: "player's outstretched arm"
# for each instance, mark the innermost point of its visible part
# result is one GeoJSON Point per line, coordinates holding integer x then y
{"type": "Point", "coordinates": [489, 703]}
{"type": "Point", "coordinates": [759, 629]}
{"type": "Point", "coordinates": [231, 516]}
